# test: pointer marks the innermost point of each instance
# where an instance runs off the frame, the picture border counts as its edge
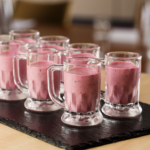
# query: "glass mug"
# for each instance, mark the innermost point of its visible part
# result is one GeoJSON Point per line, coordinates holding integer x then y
{"type": "Point", "coordinates": [8, 89]}
{"type": "Point", "coordinates": [54, 41]}
{"type": "Point", "coordinates": [82, 91]}
{"type": "Point", "coordinates": [83, 50]}
{"type": "Point", "coordinates": [38, 61]}
{"type": "Point", "coordinates": [122, 84]}
{"type": "Point", "coordinates": [57, 42]}
{"type": "Point", "coordinates": [29, 36]}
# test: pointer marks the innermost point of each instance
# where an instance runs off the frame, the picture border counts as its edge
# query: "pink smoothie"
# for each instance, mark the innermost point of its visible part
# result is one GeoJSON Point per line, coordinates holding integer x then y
{"type": "Point", "coordinates": [6, 70]}
{"type": "Point", "coordinates": [82, 89]}
{"type": "Point", "coordinates": [31, 42]}
{"type": "Point", "coordinates": [121, 81]}
{"type": "Point", "coordinates": [28, 40]}
{"type": "Point", "coordinates": [23, 63]}
{"type": "Point", "coordinates": [53, 46]}
{"type": "Point", "coordinates": [37, 80]}
{"type": "Point", "coordinates": [14, 48]}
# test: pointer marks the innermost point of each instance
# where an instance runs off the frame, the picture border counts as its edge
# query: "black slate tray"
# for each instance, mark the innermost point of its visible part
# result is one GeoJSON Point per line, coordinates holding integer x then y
{"type": "Point", "coordinates": [49, 128]}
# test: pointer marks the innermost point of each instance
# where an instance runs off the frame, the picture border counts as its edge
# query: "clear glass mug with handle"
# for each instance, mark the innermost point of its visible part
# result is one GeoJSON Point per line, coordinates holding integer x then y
{"type": "Point", "coordinates": [82, 91]}
{"type": "Point", "coordinates": [83, 50]}
{"type": "Point", "coordinates": [38, 60]}
{"type": "Point", "coordinates": [54, 41]}
{"type": "Point", "coordinates": [57, 42]}
{"type": "Point", "coordinates": [8, 89]}
{"type": "Point", "coordinates": [122, 84]}
{"type": "Point", "coordinates": [29, 36]}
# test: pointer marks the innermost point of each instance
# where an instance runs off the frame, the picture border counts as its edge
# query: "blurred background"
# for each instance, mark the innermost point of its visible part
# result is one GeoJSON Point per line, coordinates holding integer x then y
{"type": "Point", "coordinates": [115, 25]}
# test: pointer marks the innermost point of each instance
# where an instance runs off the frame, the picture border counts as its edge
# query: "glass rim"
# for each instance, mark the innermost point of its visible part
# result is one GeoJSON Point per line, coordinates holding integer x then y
{"type": "Point", "coordinates": [24, 32]}
{"type": "Point", "coordinates": [45, 38]}
{"type": "Point", "coordinates": [36, 50]}
{"type": "Point", "coordinates": [138, 56]}
{"type": "Point", "coordinates": [21, 43]}
{"type": "Point", "coordinates": [95, 46]}
{"type": "Point", "coordinates": [81, 58]}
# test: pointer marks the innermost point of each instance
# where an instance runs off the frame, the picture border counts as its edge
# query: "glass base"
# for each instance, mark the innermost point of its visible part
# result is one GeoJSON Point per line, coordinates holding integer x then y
{"type": "Point", "coordinates": [82, 119]}
{"type": "Point", "coordinates": [40, 105]}
{"type": "Point", "coordinates": [122, 111]}
{"type": "Point", "coordinates": [12, 95]}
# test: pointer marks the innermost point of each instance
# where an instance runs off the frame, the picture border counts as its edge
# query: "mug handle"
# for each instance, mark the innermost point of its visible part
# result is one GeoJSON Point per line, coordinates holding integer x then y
{"type": "Point", "coordinates": [103, 93]}
{"type": "Point", "coordinates": [50, 80]}
{"type": "Point", "coordinates": [16, 72]}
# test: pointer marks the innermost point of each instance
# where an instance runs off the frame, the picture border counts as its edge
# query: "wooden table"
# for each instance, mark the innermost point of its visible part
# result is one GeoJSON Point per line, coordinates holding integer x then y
{"type": "Point", "coordinates": [11, 139]}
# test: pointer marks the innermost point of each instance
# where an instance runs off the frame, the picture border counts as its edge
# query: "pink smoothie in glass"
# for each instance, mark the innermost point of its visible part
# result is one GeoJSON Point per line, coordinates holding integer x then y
{"type": "Point", "coordinates": [6, 70]}
{"type": "Point", "coordinates": [31, 42]}
{"type": "Point", "coordinates": [82, 89]}
{"type": "Point", "coordinates": [14, 48]}
{"type": "Point", "coordinates": [121, 81]}
{"type": "Point", "coordinates": [37, 80]}
{"type": "Point", "coordinates": [53, 46]}
{"type": "Point", "coordinates": [27, 40]}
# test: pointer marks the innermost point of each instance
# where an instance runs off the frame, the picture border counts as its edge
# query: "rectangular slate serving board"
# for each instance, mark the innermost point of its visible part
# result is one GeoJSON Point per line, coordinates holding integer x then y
{"type": "Point", "coordinates": [49, 128]}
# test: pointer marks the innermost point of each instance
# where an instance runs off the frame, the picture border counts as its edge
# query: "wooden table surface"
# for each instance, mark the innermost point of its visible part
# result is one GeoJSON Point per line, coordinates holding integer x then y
{"type": "Point", "coordinates": [11, 139]}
